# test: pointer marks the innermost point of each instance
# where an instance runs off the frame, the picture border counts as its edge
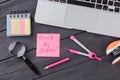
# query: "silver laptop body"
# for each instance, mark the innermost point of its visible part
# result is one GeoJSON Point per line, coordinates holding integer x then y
{"type": "Point", "coordinates": [97, 16]}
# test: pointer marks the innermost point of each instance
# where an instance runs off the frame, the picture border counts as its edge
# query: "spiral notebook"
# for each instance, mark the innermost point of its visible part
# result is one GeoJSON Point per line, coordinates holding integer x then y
{"type": "Point", "coordinates": [18, 24]}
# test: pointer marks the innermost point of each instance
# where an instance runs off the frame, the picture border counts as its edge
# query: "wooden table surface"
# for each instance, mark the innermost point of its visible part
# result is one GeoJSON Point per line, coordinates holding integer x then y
{"type": "Point", "coordinates": [78, 68]}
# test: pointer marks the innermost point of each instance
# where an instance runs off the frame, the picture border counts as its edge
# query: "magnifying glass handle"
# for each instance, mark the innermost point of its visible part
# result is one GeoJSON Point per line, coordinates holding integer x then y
{"type": "Point", "coordinates": [30, 64]}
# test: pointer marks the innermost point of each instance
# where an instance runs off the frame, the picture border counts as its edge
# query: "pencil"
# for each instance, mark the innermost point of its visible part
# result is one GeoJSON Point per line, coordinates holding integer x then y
{"type": "Point", "coordinates": [57, 63]}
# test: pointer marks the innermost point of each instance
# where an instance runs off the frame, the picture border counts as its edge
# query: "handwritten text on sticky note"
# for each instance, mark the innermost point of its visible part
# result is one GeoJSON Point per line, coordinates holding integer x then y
{"type": "Point", "coordinates": [48, 45]}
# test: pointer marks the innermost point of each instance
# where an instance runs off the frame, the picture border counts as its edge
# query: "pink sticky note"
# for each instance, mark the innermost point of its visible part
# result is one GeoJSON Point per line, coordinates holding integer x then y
{"type": "Point", "coordinates": [48, 45]}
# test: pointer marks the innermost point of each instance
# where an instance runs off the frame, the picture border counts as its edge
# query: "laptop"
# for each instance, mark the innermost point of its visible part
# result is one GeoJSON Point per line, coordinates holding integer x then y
{"type": "Point", "coordinates": [97, 16]}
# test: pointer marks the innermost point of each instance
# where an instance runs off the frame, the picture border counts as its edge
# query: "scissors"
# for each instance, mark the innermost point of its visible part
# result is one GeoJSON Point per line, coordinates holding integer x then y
{"type": "Point", "coordinates": [92, 55]}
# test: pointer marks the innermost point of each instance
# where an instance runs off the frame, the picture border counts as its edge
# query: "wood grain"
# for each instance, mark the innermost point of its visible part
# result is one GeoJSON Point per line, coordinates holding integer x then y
{"type": "Point", "coordinates": [79, 67]}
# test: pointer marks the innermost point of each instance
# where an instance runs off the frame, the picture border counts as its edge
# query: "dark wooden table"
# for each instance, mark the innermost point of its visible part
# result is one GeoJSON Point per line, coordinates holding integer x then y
{"type": "Point", "coordinates": [79, 68]}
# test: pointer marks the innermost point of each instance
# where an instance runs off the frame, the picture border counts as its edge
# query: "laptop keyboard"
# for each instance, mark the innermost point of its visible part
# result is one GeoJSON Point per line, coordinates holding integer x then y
{"type": "Point", "coordinates": [106, 5]}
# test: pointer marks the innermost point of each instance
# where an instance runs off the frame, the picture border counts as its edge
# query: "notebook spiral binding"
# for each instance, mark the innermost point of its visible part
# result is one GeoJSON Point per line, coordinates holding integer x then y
{"type": "Point", "coordinates": [19, 11]}
{"type": "Point", "coordinates": [19, 14]}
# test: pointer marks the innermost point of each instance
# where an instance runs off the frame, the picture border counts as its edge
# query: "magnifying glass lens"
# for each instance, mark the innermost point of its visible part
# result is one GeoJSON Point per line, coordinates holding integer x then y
{"type": "Point", "coordinates": [16, 48]}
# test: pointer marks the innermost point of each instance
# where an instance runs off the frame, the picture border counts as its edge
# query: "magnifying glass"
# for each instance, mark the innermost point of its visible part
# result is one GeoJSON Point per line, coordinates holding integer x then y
{"type": "Point", "coordinates": [18, 49]}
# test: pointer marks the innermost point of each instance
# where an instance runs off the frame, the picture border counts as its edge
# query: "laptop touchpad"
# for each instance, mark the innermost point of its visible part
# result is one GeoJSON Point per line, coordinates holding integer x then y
{"type": "Point", "coordinates": [81, 18]}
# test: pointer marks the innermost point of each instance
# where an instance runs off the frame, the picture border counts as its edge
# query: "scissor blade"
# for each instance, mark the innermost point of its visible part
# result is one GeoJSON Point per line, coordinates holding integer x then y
{"type": "Point", "coordinates": [79, 43]}
{"type": "Point", "coordinates": [81, 53]}
{"type": "Point", "coordinates": [76, 52]}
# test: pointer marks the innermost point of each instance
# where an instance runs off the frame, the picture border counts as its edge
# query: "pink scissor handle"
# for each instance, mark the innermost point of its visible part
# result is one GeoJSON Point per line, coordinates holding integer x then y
{"type": "Point", "coordinates": [92, 55]}
{"type": "Point", "coordinates": [72, 37]}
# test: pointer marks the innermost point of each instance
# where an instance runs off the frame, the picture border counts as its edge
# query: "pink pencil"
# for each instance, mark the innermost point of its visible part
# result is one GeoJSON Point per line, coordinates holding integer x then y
{"type": "Point", "coordinates": [57, 63]}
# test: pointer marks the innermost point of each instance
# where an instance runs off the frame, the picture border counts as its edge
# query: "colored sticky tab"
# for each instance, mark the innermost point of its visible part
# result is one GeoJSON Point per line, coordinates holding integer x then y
{"type": "Point", "coordinates": [13, 26]}
{"type": "Point", "coordinates": [8, 26]}
{"type": "Point", "coordinates": [18, 24]}
{"type": "Point", "coordinates": [22, 24]}
{"type": "Point", "coordinates": [48, 45]}
{"type": "Point", "coordinates": [27, 26]}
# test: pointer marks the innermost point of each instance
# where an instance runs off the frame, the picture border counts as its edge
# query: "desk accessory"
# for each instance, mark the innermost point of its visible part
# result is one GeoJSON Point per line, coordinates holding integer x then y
{"type": "Point", "coordinates": [96, 16]}
{"type": "Point", "coordinates": [18, 49]}
{"type": "Point", "coordinates": [48, 45]}
{"type": "Point", "coordinates": [18, 24]}
{"type": "Point", "coordinates": [57, 63]}
{"type": "Point", "coordinates": [91, 54]}
{"type": "Point", "coordinates": [113, 49]}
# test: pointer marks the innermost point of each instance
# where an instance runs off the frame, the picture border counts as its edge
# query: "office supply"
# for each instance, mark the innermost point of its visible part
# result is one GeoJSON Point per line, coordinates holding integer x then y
{"type": "Point", "coordinates": [18, 24]}
{"type": "Point", "coordinates": [91, 55]}
{"type": "Point", "coordinates": [113, 49]}
{"type": "Point", "coordinates": [79, 43]}
{"type": "Point", "coordinates": [48, 45]}
{"type": "Point", "coordinates": [97, 16]}
{"type": "Point", "coordinates": [57, 63]}
{"type": "Point", "coordinates": [18, 49]}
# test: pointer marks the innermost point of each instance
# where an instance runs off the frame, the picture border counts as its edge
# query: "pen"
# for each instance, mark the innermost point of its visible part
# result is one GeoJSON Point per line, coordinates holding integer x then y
{"type": "Point", "coordinates": [57, 63]}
